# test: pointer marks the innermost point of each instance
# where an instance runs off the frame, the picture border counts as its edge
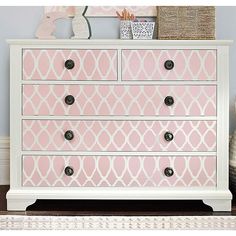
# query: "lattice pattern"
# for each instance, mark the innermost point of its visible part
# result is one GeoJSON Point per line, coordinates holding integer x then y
{"type": "Point", "coordinates": [119, 100]}
{"type": "Point", "coordinates": [97, 135]}
{"type": "Point", "coordinates": [149, 64]}
{"type": "Point", "coordinates": [41, 64]}
{"type": "Point", "coordinates": [119, 171]}
{"type": "Point", "coordinates": [110, 10]}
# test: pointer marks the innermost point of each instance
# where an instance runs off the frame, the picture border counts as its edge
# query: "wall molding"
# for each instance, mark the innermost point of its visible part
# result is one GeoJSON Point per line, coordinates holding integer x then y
{"type": "Point", "coordinates": [4, 160]}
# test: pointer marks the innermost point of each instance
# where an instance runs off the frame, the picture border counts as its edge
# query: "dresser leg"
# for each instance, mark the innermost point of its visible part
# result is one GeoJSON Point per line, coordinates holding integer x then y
{"type": "Point", "coordinates": [218, 204]}
{"type": "Point", "coordinates": [19, 204]}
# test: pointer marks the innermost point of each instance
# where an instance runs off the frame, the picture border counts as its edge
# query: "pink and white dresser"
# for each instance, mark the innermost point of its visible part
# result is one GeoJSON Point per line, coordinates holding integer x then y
{"type": "Point", "coordinates": [112, 119]}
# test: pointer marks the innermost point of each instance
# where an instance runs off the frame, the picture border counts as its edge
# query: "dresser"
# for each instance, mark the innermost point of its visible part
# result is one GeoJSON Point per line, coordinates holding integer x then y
{"type": "Point", "coordinates": [117, 119]}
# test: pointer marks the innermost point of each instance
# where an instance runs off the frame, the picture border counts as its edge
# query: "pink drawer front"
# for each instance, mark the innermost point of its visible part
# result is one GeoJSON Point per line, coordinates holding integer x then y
{"type": "Point", "coordinates": [88, 64]}
{"type": "Point", "coordinates": [150, 65]}
{"type": "Point", "coordinates": [119, 171]}
{"type": "Point", "coordinates": [118, 135]}
{"type": "Point", "coordinates": [119, 100]}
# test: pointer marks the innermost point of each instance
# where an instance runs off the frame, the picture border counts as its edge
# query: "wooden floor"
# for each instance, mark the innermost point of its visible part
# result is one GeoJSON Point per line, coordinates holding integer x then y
{"type": "Point", "coordinates": [113, 207]}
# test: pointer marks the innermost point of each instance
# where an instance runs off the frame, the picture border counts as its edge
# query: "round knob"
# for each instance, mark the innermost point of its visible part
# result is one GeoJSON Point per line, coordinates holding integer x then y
{"type": "Point", "coordinates": [69, 64]}
{"type": "Point", "coordinates": [69, 99]}
{"type": "Point", "coordinates": [69, 171]}
{"type": "Point", "coordinates": [169, 101]}
{"type": "Point", "coordinates": [168, 136]}
{"type": "Point", "coordinates": [169, 64]}
{"type": "Point", "coordinates": [69, 135]}
{"type": "Point", "coordinates": [168, 172]}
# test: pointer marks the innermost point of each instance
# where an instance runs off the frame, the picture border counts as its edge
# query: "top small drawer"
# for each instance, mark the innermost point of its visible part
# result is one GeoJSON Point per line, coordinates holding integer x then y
{"type": "Point", "coordinates": [39, 64]}
{"type": "Point", "coordinates": [169, 65]}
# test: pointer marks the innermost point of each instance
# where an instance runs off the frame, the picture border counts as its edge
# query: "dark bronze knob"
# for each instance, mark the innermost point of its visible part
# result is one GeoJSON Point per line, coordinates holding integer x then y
{"type": "Point", "coordinates": [69, 135]}
{"type": "Point", "coordinates": [169, 101]}
{"type": "Point", "coordinates": [69, 64]}
{"type": "Point", "coordinates": [168, 172]}
{"type": "Point", "coordinates": [168, 136]}
{"type": "Point", "coordinates": [69, 99]}
{"type": "Point", "coordinates": [169, 64]}
{"type": "Point", "coordinates": [69, 171]}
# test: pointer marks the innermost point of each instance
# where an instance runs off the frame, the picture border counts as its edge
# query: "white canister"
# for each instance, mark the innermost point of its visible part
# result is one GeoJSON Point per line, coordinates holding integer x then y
{"type": "Point", "coordinates": [125, 29]}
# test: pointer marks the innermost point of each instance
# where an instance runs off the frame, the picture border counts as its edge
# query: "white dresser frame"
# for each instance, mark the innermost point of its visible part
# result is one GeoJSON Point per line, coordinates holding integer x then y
{"type": "Point", "coordinates": [219, 197]}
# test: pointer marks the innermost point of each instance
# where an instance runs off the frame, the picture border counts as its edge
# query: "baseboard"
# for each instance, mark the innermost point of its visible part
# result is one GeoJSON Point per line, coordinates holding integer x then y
{"type": "Point", "coordinates": [4, 161]}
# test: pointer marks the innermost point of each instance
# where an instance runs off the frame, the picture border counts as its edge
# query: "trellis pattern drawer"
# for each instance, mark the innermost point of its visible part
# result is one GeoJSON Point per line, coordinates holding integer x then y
{"type": "Point", "coordinates": [116, 100]}
{"type": "Point", "coordinates": [119, 171]}
{"type": "Point", "coordinates": [48, 64]}
{"type": "Point", "coordinates": [118, 135]}
{"type": "Point", "coordinates": [169, 64]}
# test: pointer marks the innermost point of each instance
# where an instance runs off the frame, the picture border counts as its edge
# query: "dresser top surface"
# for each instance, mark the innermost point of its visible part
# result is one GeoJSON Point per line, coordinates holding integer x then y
{"type": "Point", "coordinates": [97, 42]}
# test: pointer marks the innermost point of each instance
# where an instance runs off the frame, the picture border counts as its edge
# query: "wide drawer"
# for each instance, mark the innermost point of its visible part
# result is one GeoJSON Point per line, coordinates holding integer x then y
{"type": "Point", "coordinates": [39, 64]}
{"type": "Point", "coordinates": [168, 64]}
{"type": "Point", "coordinates": [118, 135]}
{"type": "Point", "coordinates": [119, 100]}
{"type": "Point", "coordinates": [119, 171]}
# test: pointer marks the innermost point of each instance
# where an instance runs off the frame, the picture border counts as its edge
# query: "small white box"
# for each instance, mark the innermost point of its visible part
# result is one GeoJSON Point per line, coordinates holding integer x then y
{"type": "Point", "coordinates": [142, 30]}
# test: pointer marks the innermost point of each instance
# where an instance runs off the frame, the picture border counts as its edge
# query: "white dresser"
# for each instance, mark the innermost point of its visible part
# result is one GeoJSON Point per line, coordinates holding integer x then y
{"type": "Point", "coordinates": [113, 119]}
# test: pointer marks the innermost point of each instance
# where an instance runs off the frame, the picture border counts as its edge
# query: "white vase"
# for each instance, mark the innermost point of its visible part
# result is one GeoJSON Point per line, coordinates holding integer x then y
{"type": "Point", "coordinates": [125, 29]}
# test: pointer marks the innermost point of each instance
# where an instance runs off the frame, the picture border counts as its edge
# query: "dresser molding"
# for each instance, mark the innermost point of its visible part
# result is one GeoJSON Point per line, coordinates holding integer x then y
{"type": "Point", "coordinates": [111, 43]}
{"type": "Point", "coordinates": [218, 197]}
{"type": "Point", "coordinates": [120, 193]}
{"type": "Point", "coordinates": [219, 200]}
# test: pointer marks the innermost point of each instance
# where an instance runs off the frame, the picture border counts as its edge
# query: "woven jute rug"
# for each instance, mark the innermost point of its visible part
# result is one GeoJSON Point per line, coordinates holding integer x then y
{"type": "Point", "coordinates": [16, 222]}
